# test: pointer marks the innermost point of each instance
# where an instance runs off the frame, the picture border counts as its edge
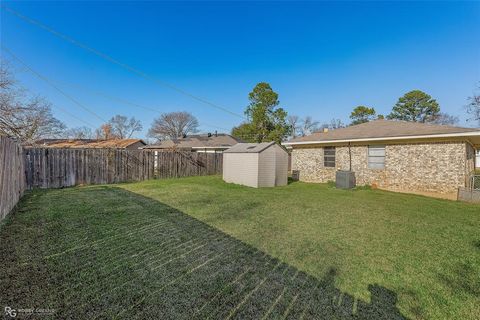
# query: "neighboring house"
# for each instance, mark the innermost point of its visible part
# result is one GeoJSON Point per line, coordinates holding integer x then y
{"type": "Point", "coordinates": [256, 164]}
{"type": "Point", "coordinates": [210, 143]}
{"type": "Point", "coordinates": [130, 144]}
{"type": "Point", "coordinates": [395, 155]}
{"type": "Point", "coordinates": [477, 162]}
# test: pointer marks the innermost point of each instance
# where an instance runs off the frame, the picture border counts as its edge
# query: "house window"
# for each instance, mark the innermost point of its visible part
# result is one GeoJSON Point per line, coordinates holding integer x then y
{"type": "Point", "coordinates": [376, 157]}
{"type": "Point", "coordinates": [329, 157]}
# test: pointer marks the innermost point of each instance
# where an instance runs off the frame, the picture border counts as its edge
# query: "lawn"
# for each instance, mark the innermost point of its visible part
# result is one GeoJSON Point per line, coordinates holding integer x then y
{"type": "Point", "coordinates": [200, 248]}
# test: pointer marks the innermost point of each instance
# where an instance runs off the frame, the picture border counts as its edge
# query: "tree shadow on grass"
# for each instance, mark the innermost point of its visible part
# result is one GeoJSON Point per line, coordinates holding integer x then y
{"type": "Point", "coordinates": [476, 244]}
{"type": "Point", "coordinates": [161, 263]}
{"type": "Point", "coordinates": [465, 276]}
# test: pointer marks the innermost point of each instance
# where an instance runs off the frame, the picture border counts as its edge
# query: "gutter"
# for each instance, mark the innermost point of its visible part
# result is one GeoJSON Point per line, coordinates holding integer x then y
{"type": "Point", "coordinates": [442, 135]}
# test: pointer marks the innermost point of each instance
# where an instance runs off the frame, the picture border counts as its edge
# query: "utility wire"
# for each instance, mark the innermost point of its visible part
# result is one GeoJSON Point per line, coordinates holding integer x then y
{"type": "Point", "coordinates": [117, 99]}
{"type": "Point", "coordinates": [60, 108]}
{"type": "Point", "coordinates": [123, 101]}
{"type": "Point", "coordinates": [105, 95]}
{"type": "Point", "coordinates": [40, 76]}
{"type": "Point", "coordinates": [121, 64]}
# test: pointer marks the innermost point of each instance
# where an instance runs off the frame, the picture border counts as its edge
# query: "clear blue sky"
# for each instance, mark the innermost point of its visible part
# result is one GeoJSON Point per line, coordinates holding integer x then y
{"type": "Point", "coordinates": [322, 58]}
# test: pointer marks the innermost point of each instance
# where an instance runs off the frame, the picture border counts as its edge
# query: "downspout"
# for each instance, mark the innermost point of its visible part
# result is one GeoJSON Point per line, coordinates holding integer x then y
{"type": "Point", "coordinates": [349, 157]}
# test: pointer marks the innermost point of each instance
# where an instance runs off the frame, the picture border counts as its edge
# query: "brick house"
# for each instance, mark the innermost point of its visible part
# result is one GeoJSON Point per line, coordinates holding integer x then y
{"type": "Point", "coordinates": [393, 155]}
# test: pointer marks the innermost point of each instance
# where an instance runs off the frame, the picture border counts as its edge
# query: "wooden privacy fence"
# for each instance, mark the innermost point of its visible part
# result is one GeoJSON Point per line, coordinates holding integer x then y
{"type": "Point", "coordinates": [57, 168]}
{"type": "Point", "coordinates": [12, 175]}
{"type": "Point", "coordinates": [174, 164]}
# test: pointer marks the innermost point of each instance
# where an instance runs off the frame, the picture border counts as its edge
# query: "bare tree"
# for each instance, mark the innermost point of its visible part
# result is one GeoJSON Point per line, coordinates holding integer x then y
{"type": "Point", "coordinates": [23, 117]}
{"type": "Point", "coordinates": [79, 133]}
{"type": "Point", "coordinates": [105, 132]}
{"type": "Point", "coordinates": [124, 128]}
{"type": "Point", "coordinates": [302, 127]}
{"type": "Point", "coordinates": [294, 123]}
{"type": "Point", "coordinates": [473, 107]}
{"type": "Point", "coordinates": [445, 119]}
{"type": "Point", "coordinates": [173, 125]}
{"type": "Point", "coordinates": [308, 126]}
{"type": "Point", "coordinates": [334, 124]}
{"type": "Point", "coordinates": [6, 78]}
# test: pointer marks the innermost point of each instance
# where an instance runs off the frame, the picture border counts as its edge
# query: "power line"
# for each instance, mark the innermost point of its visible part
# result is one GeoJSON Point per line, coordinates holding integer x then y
{"type": "Point", "coordinates": [121, 64]}
{"type": "Point", "coordinates": [40, 76]}
{"type": "Point", "coordinates": [125, 101]}
{"type": "Point", "coordinates": [107, 96]}
{"type": "Point", "coordinates": [60, 108]}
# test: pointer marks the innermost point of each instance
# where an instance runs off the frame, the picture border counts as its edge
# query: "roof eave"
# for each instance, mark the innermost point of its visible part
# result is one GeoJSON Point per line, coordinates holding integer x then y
{"type": "Point", "coordinates": [430, 136]}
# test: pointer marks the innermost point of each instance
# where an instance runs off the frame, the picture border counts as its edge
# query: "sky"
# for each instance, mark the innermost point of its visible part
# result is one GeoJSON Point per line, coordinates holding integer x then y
{"type": "Point", "coordinates": [322, 58]}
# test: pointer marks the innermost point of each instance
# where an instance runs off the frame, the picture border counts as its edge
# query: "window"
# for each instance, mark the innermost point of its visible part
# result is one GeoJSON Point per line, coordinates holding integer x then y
{"type": "Point", "coordinates": [376, 157]}
{"type": "Point", "coordinates": [329, 156]}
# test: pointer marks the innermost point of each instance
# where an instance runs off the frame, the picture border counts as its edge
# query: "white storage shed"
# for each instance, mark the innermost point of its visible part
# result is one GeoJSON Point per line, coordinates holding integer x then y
{"type": "Point", "coordinates": [256, 164]}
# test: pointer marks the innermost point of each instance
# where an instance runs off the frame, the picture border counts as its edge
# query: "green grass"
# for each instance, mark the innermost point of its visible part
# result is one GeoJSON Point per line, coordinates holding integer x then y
{"type": "Point", "coordinates": [198, 248]}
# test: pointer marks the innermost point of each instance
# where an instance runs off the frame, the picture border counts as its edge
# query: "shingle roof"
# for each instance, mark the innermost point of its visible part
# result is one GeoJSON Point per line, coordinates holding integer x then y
{"type": "Point", "coordinates": [249, 147]}
{"type": "Point", "coordinates": [88, 143]}
{"type": "Point", "coordinates": [382, 129]}
{"type": "Point", "coordinates": [221, 141]}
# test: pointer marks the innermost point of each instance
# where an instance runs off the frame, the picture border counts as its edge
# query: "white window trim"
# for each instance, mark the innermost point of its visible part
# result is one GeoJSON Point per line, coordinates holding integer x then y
{"type": "Point", "coordinates": [334, 157]}
{"type": "Point", "coordinates": [379, 157]}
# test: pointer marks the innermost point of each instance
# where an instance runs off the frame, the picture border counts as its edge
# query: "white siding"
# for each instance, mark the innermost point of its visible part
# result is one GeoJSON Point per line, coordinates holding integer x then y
{"type": "Point", "coordinates": [281, 166]}
{"type": "Point", "coordinates": [241, 168]}
{"type": "Point", "coordinates": [266, 168]}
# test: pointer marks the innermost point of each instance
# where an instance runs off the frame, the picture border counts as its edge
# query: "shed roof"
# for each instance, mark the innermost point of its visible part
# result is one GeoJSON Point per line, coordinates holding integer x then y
{"type": "Point", "coordinates": [199, 141]}
{"type": "Point", "coordinates": [385, 129]}
{"type": "Point", "coordinates": [249, 147]}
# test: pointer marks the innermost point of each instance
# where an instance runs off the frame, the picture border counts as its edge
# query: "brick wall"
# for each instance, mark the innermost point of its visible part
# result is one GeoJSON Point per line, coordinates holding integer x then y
{"type": "Point", "coordinates": [470, 165]}
{"type": "Point", "coordinates": [430, 167]}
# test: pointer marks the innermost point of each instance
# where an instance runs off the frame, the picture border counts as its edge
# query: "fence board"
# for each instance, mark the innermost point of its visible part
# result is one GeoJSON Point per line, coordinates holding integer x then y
{"type": "Point", "coordinates": [58, 168]}
{"type": "Point", "coordinates": [12, 175]}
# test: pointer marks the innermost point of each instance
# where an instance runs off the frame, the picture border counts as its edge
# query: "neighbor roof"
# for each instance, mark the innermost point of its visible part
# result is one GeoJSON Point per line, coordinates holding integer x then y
{"type": "Point", "coordinates": [200, 141]}
{"type": "Point", "coordinates": [385, 130]}
{"type": "Point", "coordinates": [249, 147]}
{"type": "Point", "coordinates": [88, 143]}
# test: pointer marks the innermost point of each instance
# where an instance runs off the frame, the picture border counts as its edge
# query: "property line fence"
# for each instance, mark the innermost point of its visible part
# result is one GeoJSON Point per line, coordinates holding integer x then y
{"type": "Point", "coordinates": [471, 191]}
{"type": "Point", "coordinates": [12, 175]}
{"type": "Point", "coordinates": [175, 164]}
{"type": "Point", "coordinates": [28, 168]}
{"type": "Point", "coordinates": [58, 168]}
{"type": "Point", "coordinates": [474, 182]}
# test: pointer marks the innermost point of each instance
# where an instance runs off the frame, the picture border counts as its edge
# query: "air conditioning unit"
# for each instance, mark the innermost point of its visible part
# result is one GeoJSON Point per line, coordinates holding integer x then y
{"type": "Point", "coordinates": [295, 175]}
{"type": "Point", "coordinates": [345, 179]}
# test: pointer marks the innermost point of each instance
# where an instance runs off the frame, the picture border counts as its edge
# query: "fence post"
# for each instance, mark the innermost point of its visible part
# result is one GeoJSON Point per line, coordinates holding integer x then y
{"type": "Point", "coordinates": [12, 174]}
